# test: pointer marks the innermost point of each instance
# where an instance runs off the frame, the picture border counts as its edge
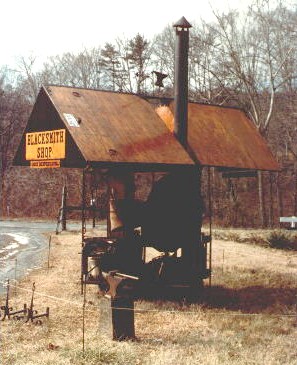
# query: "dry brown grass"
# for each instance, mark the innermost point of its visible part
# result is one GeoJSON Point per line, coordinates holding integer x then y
{"type": "Point", "coordinates": [242, 319]}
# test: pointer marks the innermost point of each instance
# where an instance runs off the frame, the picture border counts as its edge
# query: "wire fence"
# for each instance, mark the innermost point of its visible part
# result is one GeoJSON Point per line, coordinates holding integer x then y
{"type": "Point", "coordinates": [81, 304]}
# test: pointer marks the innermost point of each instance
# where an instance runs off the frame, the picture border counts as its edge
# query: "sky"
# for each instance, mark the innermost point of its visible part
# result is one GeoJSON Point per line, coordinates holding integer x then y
{"type": "Point", "coordinates": [43, 28]}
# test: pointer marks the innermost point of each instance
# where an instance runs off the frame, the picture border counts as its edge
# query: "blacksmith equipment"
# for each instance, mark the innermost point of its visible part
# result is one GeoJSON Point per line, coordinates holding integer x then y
{"type": "Point", "coordinates": [8, 311]}
{"type": "Point", "coordinates": [32, 314]}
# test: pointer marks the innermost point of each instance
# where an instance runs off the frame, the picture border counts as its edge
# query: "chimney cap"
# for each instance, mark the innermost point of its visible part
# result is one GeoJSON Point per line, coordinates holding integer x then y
{"type": "Point", "coordinates": [182, 23]}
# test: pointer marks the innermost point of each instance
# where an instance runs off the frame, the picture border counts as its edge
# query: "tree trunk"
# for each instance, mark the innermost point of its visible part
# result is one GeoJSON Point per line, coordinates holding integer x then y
{"type": "Point", "coordinates": [271, 205]}
{"type": "Point", "coordinates": [261, 199]}
{"type": "Point", "coordinates": [2, 198]}
{"type": "Point", "coordinates": [295, 189]}
{"type": "Point", "coordinates": [279, 196]}
{"type": "Point", "coordinates": [4, 209]}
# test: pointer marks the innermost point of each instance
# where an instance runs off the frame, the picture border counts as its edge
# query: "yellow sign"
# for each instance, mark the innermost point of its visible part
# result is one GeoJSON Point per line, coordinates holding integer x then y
{"type": "Point", "coordinates": [46, 145]}
{"type": "Point", "coordinates": [45, 164]}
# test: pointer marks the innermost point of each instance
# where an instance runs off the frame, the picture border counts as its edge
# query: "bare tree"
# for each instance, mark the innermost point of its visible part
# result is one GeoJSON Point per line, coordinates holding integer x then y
{"type": "Point", "coordinates": [80, 70]}
{"type": "Point", "coordinates": [206, 75]}
{"type": "Point", "coordinates": [251, 63]}
{"type": "Point", "coordinates": [30, 80]}
{"type": "Point", "coordinates": [246, 56]}
{"type": "Point", "coordinates": [14, 110]}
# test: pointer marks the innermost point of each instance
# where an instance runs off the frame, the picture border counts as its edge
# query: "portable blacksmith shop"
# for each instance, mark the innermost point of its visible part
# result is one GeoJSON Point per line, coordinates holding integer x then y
{"type": "Point", "coordinates": [115, 135]}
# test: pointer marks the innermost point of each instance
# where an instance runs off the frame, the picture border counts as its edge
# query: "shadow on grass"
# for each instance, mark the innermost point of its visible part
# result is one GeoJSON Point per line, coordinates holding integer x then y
{"type": "Point", "coordinates": [251, 299]}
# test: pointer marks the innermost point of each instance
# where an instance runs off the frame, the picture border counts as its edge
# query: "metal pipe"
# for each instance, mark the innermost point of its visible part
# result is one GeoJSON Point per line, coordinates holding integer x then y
{"type": "Point", "coordinates": [181, 80]}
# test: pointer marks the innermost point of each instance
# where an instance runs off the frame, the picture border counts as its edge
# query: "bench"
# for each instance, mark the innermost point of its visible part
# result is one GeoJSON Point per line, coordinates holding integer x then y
{"type": "Point", "coordinates": [292, 220]}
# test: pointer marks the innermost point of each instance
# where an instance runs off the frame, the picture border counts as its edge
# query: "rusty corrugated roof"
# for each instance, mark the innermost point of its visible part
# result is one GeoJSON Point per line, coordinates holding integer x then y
{"type": "Point", "coordinates": [125, 128]}
{"type": "Point", "coordinates": [223, 137]}
{"type": "Point", "coordinates": [117, 127]}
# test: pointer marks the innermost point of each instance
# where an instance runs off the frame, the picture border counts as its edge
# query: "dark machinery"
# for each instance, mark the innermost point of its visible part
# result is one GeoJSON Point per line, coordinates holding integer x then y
{"type": "Point", "coordinates": [169, 222]}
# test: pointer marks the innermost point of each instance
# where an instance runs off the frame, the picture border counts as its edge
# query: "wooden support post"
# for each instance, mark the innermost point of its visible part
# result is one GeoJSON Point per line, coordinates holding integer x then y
{"type": "Point", "coordinates": [123, 318]}
{"type": "Point", "coordinates": [63, 207]}
{"type": "Point", "coordinates": [93, 206]}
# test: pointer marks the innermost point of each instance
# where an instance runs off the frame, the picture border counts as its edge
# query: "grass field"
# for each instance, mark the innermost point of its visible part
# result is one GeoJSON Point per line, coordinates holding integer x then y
{"type": "Point", "coordinates": [248, 315]}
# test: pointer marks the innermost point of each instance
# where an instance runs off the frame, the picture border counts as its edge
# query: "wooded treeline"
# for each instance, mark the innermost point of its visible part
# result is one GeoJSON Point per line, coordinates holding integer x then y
{"type": "Point", "coordinates": [246, 60]}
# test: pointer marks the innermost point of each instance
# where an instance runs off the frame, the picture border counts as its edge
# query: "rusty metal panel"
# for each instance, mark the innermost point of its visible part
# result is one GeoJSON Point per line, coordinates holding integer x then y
{"type": "Point", "coordinates": [223, 137]}
{"type": "Point", "coordinates": [114, 127]}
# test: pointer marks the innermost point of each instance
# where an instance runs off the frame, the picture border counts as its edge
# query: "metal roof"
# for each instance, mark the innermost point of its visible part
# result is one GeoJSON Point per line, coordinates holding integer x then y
{"type": "Point", "coordinates": [182, 23]}
{"type": "Point", "coordinates": [117, 127]}
{"type": "Point", "coordinates": [124, 128]}
{"type": "Point", "coordinates": [223, 137]}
